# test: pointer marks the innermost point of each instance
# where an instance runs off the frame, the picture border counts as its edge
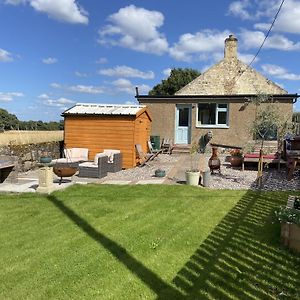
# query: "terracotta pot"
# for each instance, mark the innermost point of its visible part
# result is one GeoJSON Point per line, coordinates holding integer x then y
{"type": "Point", "coordinates": [236, 161]}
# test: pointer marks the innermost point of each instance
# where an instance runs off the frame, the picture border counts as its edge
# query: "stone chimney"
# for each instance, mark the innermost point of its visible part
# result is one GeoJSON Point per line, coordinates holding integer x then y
{"type": "Point", "coordinates": [230, 50]}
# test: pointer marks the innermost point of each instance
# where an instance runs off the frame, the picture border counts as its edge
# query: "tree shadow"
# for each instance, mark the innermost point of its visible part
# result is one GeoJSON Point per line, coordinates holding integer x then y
{"type": "Point", "coordinates": [242, 258]}
{"type": "Point", "coordinates": [155, 283]}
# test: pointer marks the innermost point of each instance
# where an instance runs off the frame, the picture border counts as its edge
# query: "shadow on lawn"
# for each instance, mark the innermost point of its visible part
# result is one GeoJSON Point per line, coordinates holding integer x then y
{"type": "Point", "coordinates": [155, 283]}
{"type": "Point", "coordinates": [242, 258]}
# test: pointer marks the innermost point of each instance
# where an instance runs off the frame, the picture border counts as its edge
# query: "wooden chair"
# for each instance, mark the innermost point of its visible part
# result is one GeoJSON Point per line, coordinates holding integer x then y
{"type": "Point", "coordinates": [151, 150]}
{"type": "Point", "coordinates": [143, 157]}
{"type": "Point", "coordinates": [167, 145]}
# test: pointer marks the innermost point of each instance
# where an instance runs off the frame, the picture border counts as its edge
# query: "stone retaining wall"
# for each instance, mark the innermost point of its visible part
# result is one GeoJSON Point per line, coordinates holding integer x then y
{"type": "Point", "coordinates": [27, 156]}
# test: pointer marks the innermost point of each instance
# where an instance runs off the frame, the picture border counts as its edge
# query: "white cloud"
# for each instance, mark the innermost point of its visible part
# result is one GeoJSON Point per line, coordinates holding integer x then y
{"type": "Point", "coordinates": [247, 58]}
{"type": "Point", "coordinates": [43, 96]}
{"type": "Point", "coordinates": [262, 26]}
{"type": "Point", "coordinates": [60, 102]}
{"type": "Point", "coordinates": [126, 86]}
{"type": "Point", "coordinates": [253, 39]}
{"type": "Point", "coordinates": [135, 28]}
{"type": "Point", "coordinates": [55, 85]}
{"type": "Point", "coordinates": [80, 74]}
{"type": "Point", "coordinates": [49, 60]}
{"type": "Point", "coordinates": [167, 72]}
{"type": "Point", "coordinates": [288, 19]}
{"type": "Point", "coordinates": [5, 56]}
{"type": "Point", "coordinates": [279, 72]}
{"type": "Point", "coordinates": [87, 89]}
{"type": "Point", "coordinates": [63, 10]}
{"type": "Point", "coordinates": [125, 71]}
{"type": "Point", "coordinates": [198, 46]}
{"type": "Point", "coordinates": [102, 60]}
{"type": "Point", "coordinates": [7, 97]}
{"type": "Point", "coordinates": [239, 9]}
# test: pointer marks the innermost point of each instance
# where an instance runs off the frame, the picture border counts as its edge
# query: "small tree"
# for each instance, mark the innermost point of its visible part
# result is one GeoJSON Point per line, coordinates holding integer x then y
{"type": "Point", "coordinates": [268, 123]}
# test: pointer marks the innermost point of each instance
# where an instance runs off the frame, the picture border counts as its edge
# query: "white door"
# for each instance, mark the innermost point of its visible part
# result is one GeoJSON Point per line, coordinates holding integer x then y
{"type": "Point", "coordinates": [183, 124]}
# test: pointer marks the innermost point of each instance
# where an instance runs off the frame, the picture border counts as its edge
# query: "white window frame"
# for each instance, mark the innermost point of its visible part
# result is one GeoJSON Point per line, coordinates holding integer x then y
{"type": "Point", "coordinates": [218, 109]}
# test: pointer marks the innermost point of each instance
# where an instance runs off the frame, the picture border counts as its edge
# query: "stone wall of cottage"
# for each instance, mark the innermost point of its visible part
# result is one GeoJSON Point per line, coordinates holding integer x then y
{"type": "Point", "coordinates": [238, 133]}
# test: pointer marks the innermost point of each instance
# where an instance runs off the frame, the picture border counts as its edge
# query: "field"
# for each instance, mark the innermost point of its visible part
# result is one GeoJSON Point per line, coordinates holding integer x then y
{"type": "Point", "coordinates": [20, 137]}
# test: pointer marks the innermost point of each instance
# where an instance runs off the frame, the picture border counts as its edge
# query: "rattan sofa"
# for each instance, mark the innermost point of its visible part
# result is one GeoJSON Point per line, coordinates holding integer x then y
{"type": "Point", "coordinates": [73, 157]}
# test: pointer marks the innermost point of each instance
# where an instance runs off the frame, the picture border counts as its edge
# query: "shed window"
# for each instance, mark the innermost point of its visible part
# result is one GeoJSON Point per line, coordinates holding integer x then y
{"type": "Point", "coordinates": [212, 114]}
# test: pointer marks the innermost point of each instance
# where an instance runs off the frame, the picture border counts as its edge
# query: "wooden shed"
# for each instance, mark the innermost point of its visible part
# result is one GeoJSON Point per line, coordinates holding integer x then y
{"type": "Point", "coordinates": [102, 126]}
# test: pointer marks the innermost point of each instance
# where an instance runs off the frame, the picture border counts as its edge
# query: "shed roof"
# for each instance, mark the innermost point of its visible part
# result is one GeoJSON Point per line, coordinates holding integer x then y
{"type": "Point", "coordinates": [104, 109]}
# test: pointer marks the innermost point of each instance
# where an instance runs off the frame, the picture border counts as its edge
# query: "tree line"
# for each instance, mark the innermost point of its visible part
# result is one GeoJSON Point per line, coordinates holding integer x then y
{"type": "Point", "coordinates": [10, 121]}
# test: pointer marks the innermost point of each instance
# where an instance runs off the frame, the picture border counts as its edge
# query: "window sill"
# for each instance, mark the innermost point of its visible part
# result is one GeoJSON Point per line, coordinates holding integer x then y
{"type": "Point", "coordinates": [213, 126]}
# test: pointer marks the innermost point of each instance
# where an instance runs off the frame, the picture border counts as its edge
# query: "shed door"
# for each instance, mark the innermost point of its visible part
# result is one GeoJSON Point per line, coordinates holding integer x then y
{"type": "Point", "coordinates": [183, 124]}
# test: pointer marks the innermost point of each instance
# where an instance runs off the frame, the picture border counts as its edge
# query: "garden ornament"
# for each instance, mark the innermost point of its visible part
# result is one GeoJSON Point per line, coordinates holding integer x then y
{"type": "Point", "coordinates": [204, 140]}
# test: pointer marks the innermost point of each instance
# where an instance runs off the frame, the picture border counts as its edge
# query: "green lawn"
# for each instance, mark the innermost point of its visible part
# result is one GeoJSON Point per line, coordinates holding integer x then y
{"type": "Point", "coordinates": [144, 242]}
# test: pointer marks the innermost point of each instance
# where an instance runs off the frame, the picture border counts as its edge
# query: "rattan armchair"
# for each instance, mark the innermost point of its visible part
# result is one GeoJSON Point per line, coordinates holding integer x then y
{"type": "Point", "coordinates": [94, 169]}
{"type": "Point", "coordinates": [114, 160]}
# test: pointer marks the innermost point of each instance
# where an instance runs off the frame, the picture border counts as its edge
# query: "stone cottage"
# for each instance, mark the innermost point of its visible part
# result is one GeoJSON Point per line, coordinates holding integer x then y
{"type": "Point", "coordinates": [219, 100]}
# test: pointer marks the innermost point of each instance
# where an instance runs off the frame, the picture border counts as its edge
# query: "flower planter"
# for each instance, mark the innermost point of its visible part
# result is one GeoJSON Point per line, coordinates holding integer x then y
{"type": "Point", "coordinates": [160, 173]}
{"type": "Point", "coordinates": [290, 236]}
{"type": "Point", "coordinates": [236, 161]}
{"type": "Point", "coordinates": [192, 178]}
{"type": "Point", "coordinates": [45, 159]}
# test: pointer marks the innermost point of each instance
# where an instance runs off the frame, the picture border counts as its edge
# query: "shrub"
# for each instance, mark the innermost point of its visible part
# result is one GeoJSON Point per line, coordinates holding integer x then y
{"type": "Point", "coordinates": [288, 215]}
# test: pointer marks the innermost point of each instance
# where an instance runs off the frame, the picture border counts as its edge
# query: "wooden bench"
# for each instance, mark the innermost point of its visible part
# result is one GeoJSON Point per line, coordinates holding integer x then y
{"type": "Point", "coordinates": [274, 158]}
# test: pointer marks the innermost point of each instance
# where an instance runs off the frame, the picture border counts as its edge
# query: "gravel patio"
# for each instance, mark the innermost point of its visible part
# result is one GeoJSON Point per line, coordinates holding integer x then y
{"type": "Point", "coordinates": [175, 166]}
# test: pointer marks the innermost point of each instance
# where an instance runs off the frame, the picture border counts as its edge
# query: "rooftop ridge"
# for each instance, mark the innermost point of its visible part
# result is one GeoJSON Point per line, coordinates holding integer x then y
{"type": "Point", "coordinates": [110, 105]}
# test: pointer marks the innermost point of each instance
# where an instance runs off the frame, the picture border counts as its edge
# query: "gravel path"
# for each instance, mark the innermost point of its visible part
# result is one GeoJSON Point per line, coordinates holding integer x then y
{"type": "Point", "coordinates": [162, 161]}
{"type": "Point", "coordinates": [273, 180]}
{"type": "Point", "coordinates": [229, 178]}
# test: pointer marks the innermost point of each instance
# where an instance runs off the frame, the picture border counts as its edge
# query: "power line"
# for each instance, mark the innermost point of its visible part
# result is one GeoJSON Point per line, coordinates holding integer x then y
{"type": "Point", "coordinates": [262, 44]}
{"type": "Point", "coordinates": [268, 33]}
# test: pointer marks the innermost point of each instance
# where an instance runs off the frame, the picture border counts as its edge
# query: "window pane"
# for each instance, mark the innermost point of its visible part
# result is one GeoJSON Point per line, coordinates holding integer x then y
{"type": "Point", "coordinates": [222, 105]}
{"type": "Point", "coordinates": [207, 113]}
{"type": "Point", "coordinates": [222, 117]}
{"type": "Point", "coordinates": [183, 117]}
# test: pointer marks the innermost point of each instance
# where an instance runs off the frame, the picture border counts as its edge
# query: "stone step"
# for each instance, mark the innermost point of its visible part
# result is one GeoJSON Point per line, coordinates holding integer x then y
{"type": "Point", "coordinates": [179, 148]}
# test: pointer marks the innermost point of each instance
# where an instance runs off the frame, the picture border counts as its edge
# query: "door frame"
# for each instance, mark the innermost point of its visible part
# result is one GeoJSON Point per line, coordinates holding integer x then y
{"type": "Point", "coordinates": [189, 106]}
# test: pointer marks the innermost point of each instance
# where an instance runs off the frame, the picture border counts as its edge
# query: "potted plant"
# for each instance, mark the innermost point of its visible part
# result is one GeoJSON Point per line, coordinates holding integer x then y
{"type": "Point", "coordinates": [160, 173]}
{"type": "Point", "coordinates": [290, 226]}
{"type": "Point", "coordinates": [236, 158]}
{"type": "Point", "coordinates": [45, 157]}
{"type": "Point", "coordinates": [193, 173]}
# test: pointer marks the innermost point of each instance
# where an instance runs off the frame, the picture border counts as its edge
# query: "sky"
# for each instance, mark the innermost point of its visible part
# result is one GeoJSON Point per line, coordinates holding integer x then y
{"type": "Point", "coordinates": [56, 53]}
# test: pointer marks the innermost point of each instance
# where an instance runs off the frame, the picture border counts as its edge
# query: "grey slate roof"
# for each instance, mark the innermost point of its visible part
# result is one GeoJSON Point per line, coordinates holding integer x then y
{"type": "Point", "coordinates": [103, 109]}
